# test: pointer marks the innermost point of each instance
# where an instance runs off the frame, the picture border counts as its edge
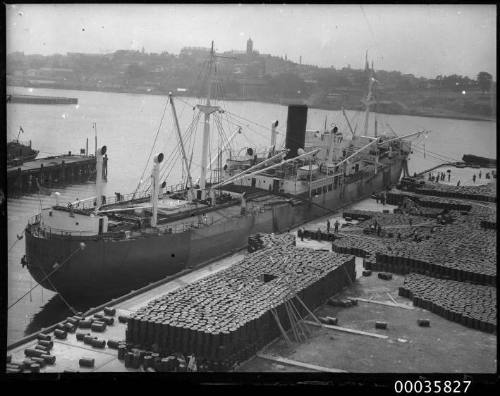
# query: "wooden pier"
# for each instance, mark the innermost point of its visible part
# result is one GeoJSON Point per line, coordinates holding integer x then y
{"type": "Point", "coordinates": [53, 171]}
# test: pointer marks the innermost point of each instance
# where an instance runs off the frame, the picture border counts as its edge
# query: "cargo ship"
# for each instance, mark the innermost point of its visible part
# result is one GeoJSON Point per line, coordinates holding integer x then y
{"type": "Point", "coordinates": [107, 246]}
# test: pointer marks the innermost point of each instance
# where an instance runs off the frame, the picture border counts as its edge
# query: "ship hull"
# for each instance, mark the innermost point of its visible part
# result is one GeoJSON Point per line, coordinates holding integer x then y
{"type": "Point", "coordinates": [110, 268]}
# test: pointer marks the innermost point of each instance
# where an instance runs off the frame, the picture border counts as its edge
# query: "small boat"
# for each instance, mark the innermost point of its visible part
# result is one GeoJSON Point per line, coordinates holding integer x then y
{"type": "Point", "coordinates": [19, 152]}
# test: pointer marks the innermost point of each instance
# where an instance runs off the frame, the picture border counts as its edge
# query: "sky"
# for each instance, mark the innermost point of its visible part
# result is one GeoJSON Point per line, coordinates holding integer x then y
{"type": "Point", "coordinates": [424, 40]}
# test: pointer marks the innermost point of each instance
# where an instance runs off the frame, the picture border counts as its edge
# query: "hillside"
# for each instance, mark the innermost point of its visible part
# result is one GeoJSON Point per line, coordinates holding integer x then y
{"type": "Point", "coordinates": [254, 76]}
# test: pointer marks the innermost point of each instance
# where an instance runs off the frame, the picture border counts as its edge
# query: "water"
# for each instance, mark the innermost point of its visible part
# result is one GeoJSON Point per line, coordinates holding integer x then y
{"type": "Point", "coordinates": [128, 123]}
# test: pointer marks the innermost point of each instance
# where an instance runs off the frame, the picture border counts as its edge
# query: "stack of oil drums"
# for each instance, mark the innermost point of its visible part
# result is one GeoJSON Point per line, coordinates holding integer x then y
{"type": "Point", "coordinates": [457, 252]}
{"type": "Point", "coordinates": [471, 305]}
{"type": "Point", "coordinates": [359, 246]}
{"type": "Point", "coordinates": [226, 317]}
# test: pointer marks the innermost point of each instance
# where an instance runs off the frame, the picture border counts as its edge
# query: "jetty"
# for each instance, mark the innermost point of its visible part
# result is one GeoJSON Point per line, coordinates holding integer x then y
{"type": "Point", "coordinates": [36, 99]}
{"type": "Point", "coordinates": [50, 171]}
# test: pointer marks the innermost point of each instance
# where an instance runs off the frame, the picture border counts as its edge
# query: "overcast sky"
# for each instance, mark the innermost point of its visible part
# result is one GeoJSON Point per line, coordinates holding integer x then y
{"type": "Point", "coordinates": [425, 40]}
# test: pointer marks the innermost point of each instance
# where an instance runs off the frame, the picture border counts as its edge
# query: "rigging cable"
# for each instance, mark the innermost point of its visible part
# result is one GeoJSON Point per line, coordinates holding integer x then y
{"type": "Point", "coordinates": [59, 293]}
{"type": "Point", "coordinates": [443, 156]}
{"type": "Point", "coordinates": [152, 148]}
{"type": "Point", "coordinates": [18, 238]}
{"type": "Point", "coordinates": [174, 154]}
{"type": "Point", "coordinates": [432, 155]}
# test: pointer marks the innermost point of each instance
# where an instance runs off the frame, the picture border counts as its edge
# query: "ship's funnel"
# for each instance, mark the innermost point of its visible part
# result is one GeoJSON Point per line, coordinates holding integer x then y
{"type": "Point", "coordinates": [295, 129]}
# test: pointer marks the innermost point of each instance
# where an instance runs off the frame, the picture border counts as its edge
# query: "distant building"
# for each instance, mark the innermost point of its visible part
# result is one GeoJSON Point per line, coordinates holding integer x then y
{"type": "Point", "coordinates": [249, 46]}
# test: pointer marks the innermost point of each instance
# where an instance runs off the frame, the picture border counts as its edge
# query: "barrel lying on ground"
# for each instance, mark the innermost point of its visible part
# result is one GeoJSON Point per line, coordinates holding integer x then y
{"type": "Point", "coordinates": [86, 362]}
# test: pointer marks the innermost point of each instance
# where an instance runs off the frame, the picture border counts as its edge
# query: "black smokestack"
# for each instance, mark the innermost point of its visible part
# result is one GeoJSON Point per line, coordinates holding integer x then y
{"type": "Point", "coordinates": [295, 129]}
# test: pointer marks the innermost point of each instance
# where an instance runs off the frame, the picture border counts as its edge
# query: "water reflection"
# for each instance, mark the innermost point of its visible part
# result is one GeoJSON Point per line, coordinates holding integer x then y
{"type": "Point", "coordinates": [56, 310]}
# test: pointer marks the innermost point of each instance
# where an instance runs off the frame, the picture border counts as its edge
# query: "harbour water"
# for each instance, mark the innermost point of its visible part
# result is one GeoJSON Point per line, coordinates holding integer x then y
{"type": "Point", "coordinates": [128, 124]}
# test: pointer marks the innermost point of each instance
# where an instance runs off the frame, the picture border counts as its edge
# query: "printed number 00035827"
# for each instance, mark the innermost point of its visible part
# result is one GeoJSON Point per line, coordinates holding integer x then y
{"type": "Point", "coordinates": [426, 386]}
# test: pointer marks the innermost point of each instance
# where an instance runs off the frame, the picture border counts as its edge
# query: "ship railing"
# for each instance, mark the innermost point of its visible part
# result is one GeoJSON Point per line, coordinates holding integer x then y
{"type": "Point", "coordinates": [114, 199]}
{"type": "Point", "coordinates": [172, 229]}
{"type": "Point", "coordinates": [51, 232]}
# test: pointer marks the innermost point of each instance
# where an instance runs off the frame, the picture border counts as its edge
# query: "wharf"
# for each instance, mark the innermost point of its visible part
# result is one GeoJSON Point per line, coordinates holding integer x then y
{"type": "Point", "coordinates": [36, 99]}
{"type": "Point", "coordinates": [49, 171]}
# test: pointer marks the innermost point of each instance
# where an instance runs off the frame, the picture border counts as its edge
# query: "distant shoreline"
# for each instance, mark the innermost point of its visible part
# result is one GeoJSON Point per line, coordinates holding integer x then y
{"type": "Point", "coordinates": [415, 113]}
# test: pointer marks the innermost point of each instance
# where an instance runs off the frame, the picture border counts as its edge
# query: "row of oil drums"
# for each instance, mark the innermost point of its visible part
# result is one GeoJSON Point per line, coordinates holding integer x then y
{"type": "Point", "coordinates": [181, 327]}
{"type": "Point", "coordinates": [489, 225]}
{"type": "Point", "coordinates": [134, 357]}
{"type": "Point", "coordinates": [459, 195]}
{"type": "Point", "coordinates": [454, 306]}
{"type": "Point", "coordinates": [318, 235]}
{"type": "Point", "coordinates": [439, 203]}
{"type": "Point", "coordinates": [350, 250]}
{"type": "Point", "coordinates": [360, 215]}
{"type": "Point", "coordinates": [461, 270]}
{"type": "Point", "coordinates": [434, 200]}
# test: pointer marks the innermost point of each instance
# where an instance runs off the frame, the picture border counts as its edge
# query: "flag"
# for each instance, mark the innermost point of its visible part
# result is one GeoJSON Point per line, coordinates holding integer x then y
{"type": "Point", "coordinates": [21, 129]}
{"type": "Point", "coordinates": [367, 66]}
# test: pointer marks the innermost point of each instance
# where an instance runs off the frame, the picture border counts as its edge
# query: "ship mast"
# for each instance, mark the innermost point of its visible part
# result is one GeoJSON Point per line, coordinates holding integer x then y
{"type": "Point", "coordinates": [348, 123]}
{"type": "Point", "coordinates": [183, 151]}
{"type": "Point", "coordinates": [207, 109]}
{"type": "Point", "coordinates": [368, 100]}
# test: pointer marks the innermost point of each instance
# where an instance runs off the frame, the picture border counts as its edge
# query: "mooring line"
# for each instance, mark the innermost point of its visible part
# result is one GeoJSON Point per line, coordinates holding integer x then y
{"type": "Point", "coordinates": [38, 283]}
